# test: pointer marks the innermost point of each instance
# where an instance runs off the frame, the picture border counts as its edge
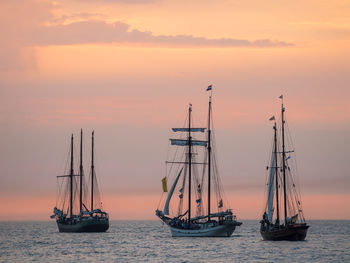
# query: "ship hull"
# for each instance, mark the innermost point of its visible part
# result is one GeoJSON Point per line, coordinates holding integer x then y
{"type": "Point", "coordinates": [224, 230]}
{"type": "Point", "coordinates": [290, 233]}
{"type": "Point", "coordinates": [88, 225]}
{"type": "Point", "coordinates": [198, 227]}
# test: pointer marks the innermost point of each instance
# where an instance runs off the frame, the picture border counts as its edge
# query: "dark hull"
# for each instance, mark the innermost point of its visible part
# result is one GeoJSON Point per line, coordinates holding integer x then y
{"type": "Point", "coordinates": [89, 225]}
{"type": "Point", "coordinates": [291, 233]}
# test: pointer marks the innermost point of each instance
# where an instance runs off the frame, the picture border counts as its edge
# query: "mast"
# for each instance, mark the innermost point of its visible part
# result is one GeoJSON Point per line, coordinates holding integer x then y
{"type": "Point", "coordinates": [92, 171]}
{"type": "Point", "coordinates": [189, 161]}
{"type": "Point", "coordinates": [284, 167]}
{"type": "Point", "coordinates": [209, 157]}
{"type": "Point", "coordinates": [71, 174]}
{"type": "Point", "coordinates": [81, 171]}
{"type": "Point", "coordinates": [276, 174]}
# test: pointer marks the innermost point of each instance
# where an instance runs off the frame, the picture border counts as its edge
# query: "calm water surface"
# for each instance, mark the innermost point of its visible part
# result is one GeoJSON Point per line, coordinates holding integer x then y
{"type": "Point", "coordinates": [150, 241]}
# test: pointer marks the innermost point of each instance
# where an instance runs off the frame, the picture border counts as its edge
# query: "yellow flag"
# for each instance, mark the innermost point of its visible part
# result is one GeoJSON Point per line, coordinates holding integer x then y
{"type": "Point", "coordinates": [165, 187]}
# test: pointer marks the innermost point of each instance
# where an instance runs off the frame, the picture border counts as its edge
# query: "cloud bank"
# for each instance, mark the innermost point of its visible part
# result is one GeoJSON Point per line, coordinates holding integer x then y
{"type": "Point", "coordinates": [87, 32]}
{"type": "Point", "coordinates": [33, 23]}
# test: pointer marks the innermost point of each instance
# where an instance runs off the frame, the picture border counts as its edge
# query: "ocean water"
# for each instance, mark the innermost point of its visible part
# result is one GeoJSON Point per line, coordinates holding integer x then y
{"type": "Point", "coordinates": [150, 241]}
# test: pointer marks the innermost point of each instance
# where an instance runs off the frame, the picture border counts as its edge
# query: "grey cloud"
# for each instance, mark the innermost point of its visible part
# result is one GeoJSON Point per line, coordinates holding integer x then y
{"type": "Point", "coordinates": [100, 32]}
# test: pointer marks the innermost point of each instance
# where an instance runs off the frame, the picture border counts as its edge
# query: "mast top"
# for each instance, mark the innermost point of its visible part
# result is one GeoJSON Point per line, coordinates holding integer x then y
{"type": "Point", "coordinates": [210, 88]}
{"type": "Point", "coordinates": [273, 119]}
{"type": "Point", "coordinates": [281, 97]}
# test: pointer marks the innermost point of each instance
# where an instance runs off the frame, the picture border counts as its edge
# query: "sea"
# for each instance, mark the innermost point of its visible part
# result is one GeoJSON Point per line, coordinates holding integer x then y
{"type": "Point", "coordinates": [151, 241]}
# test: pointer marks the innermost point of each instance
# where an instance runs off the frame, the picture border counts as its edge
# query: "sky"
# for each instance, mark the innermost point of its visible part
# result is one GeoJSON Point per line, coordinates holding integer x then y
{"type": "Point", "coordinates": [129, 69]}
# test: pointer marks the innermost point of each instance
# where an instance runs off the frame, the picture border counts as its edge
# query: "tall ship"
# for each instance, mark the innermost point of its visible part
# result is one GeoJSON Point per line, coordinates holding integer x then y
{"type": "Point", "coordinates": [283, 218]}
{"type": "Point", "coordinates": [76, 209]}
{"type": "Point", "coordinates": [193, 172]}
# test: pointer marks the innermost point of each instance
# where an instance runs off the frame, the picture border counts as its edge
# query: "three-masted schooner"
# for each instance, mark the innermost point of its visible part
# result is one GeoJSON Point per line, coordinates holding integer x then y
{"type": "Point", "coordinates": [86, 220]}
{"type": "Point", "coordinates": [294, 227]}
{"type": "Point", "coordinates": [221, 223]}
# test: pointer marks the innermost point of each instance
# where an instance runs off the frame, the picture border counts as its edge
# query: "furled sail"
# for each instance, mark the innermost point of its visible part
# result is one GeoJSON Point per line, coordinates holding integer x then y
{"type": "Point", "coordinates": [166, 206]}
{"type": "Point", "coordinates": [180, 142]}
{"type": "Point", "coordinates": [271, 189]}
{"type": "Point", "coordinates": [188, 129]}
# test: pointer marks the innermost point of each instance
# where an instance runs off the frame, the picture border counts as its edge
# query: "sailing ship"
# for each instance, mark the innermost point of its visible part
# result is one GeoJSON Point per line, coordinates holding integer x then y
{"type": "Point", "coordinates": [69, 217]}
{"type": "Point", "coordinates": [280, 172]}
{"type": "Point", "coordinates": [205, 223]}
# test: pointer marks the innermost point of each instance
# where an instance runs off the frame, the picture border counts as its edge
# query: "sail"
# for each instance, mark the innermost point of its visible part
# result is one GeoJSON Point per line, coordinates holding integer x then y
{"type": "Point", "coordinates": [164, 185]}
{"type": "Point", "coordinates": [271, 189]}
{"type": "Point", "coordinates": [166, 206]}
{"type": "Point", "coordinates": [188, 129]}
{"type": "Point", "coordinates": [180, 142]}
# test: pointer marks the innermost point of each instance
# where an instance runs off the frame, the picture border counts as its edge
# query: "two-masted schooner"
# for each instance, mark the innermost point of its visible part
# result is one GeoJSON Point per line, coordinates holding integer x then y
{"type": "Point", "coordinates": [290, 224]}
{"type": "Point", "coordinates": [198, 179]}
{"type": "Point", "coordinates": [72, 214]}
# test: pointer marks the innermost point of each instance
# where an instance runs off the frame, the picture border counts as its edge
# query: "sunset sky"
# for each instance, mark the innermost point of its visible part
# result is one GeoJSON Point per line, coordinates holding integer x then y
{"type": "Point", "coordinates": [128, 70]}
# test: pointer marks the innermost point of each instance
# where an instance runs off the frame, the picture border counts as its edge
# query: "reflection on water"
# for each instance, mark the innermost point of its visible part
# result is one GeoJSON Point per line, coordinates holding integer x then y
{"type": "Point", "coordinates": [150, 241]}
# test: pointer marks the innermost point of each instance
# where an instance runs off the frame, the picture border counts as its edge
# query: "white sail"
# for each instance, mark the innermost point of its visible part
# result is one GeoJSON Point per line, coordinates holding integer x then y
{"type": "Point", "coordinates": [180, 142]}
{"type": "Point", "coordinates": [271, 189]}
{"type": "Point", "coordinates": [188, 129]}
{"type": "Point", "coordinates": [170, 194]}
